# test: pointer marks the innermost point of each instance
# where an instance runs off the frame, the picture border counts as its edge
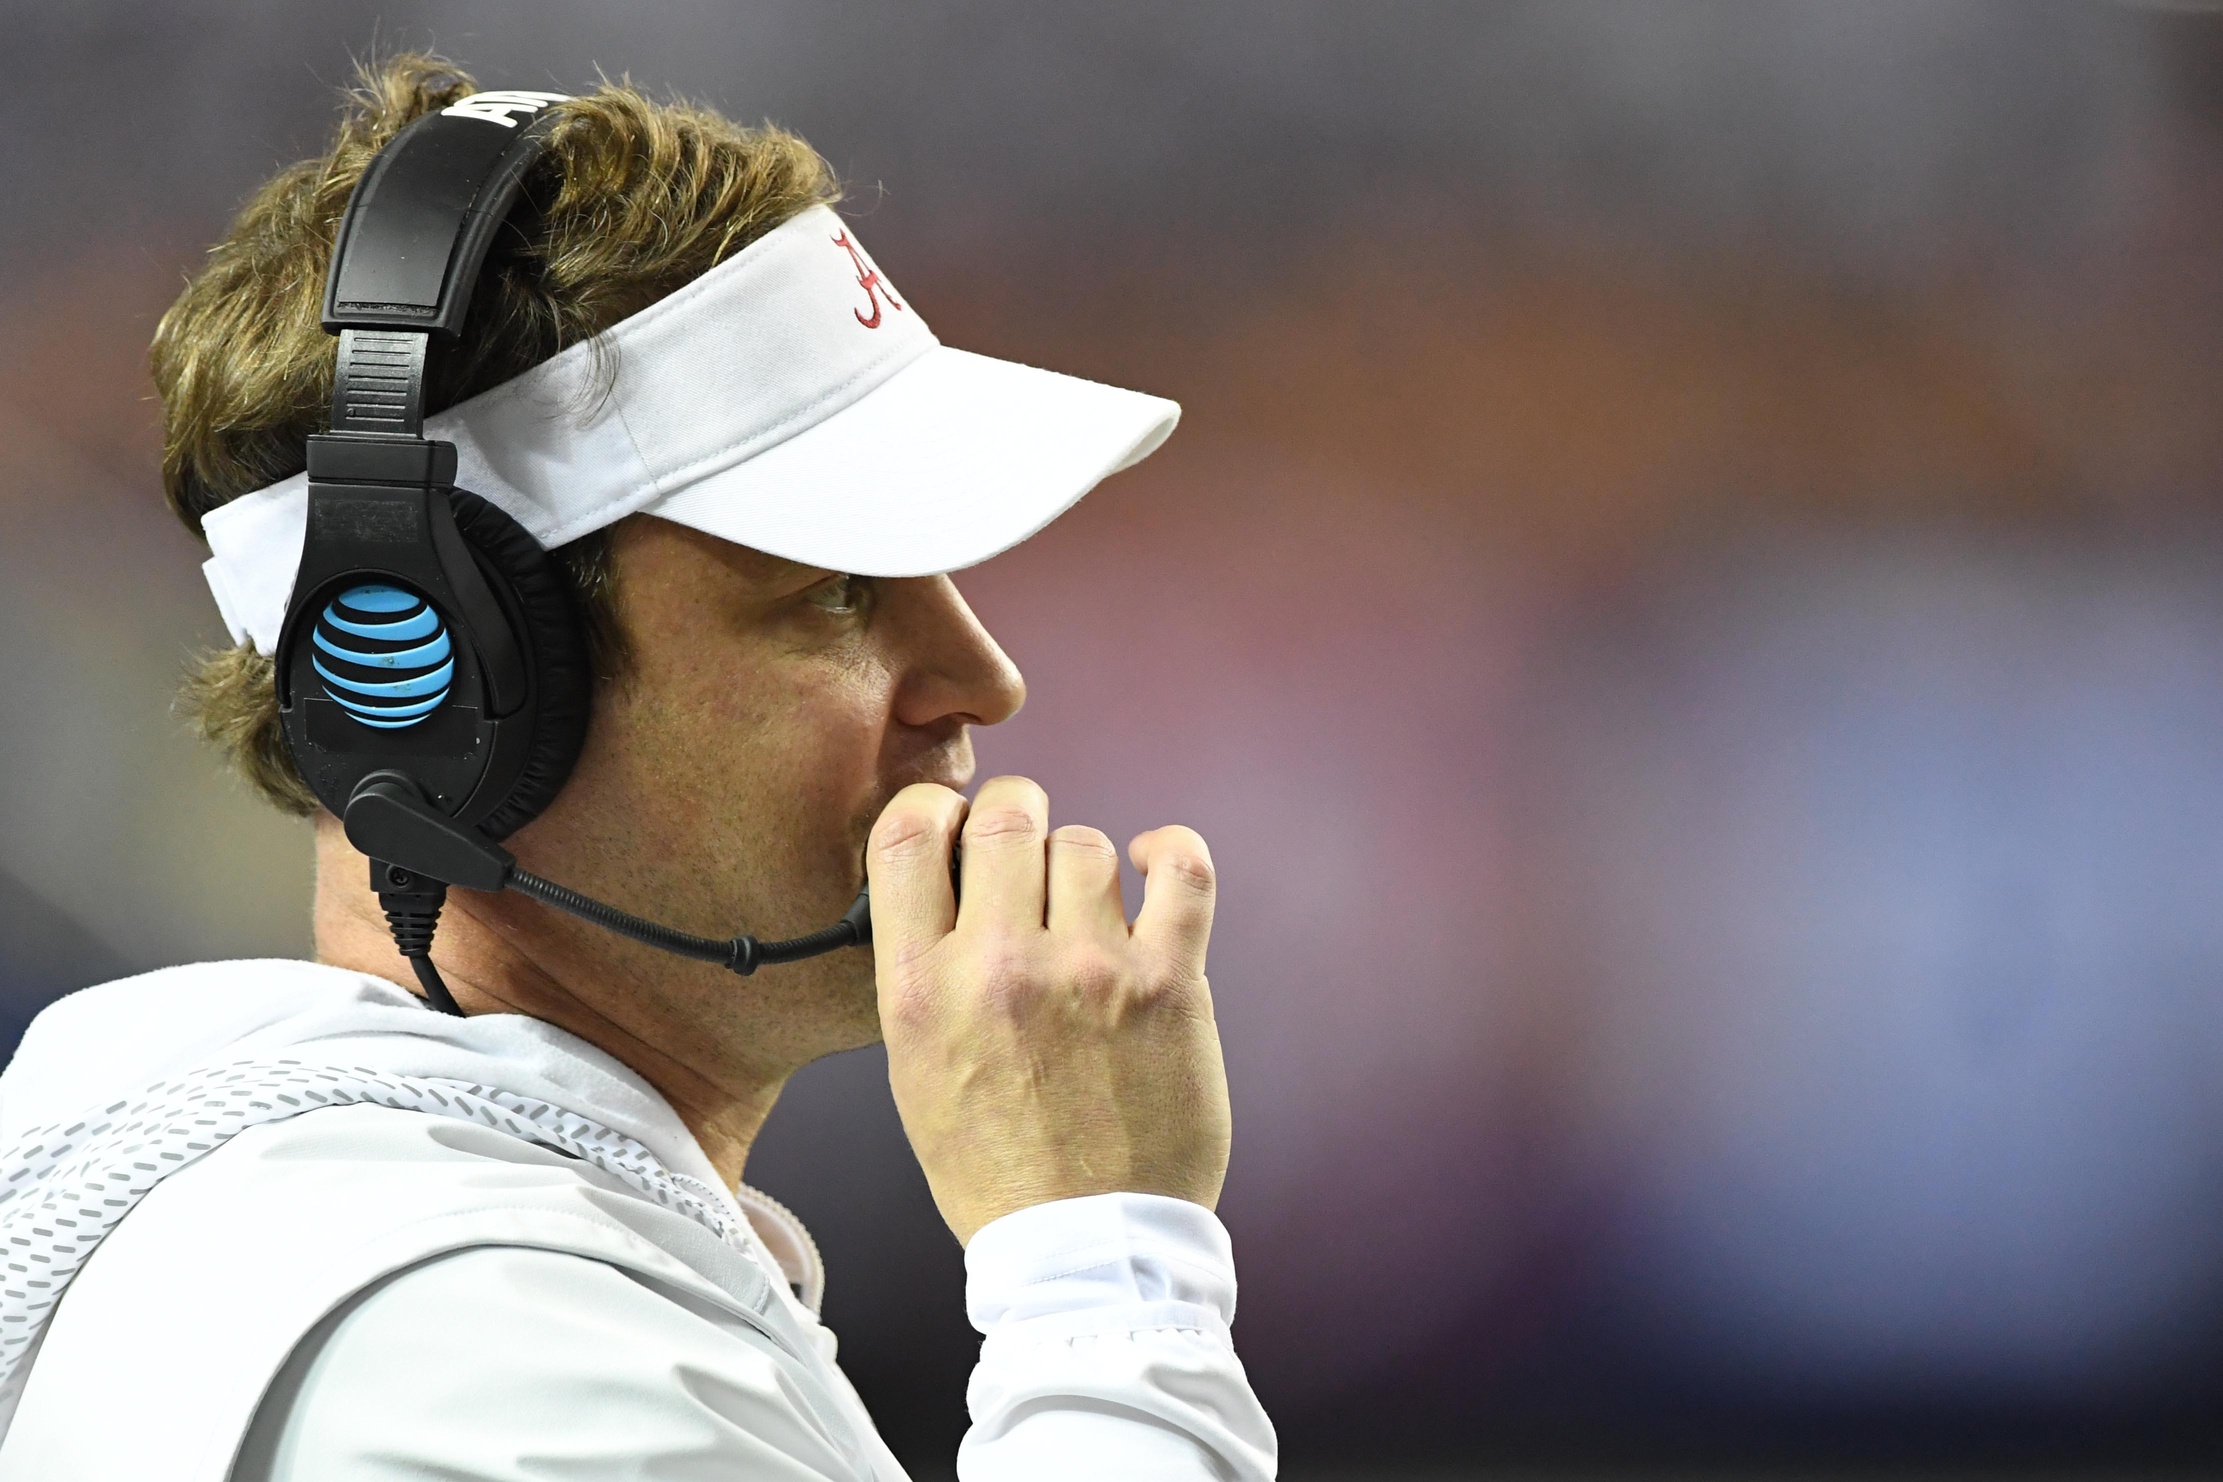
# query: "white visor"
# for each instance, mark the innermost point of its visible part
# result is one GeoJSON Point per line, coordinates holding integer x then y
{"type": "Point", "coordinates": [787, 400]}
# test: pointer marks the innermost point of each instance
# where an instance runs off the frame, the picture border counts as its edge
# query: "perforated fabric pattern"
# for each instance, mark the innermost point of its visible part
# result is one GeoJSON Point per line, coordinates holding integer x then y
{"type": "Point", "coordinates": [70, 1184]}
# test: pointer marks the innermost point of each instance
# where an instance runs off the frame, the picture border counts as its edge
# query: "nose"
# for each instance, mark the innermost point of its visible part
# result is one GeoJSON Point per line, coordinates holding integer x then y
{"type": "Point", "coordinates": [953, 669]}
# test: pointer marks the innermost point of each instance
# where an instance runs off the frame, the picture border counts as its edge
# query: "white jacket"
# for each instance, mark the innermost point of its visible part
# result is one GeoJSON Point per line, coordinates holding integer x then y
{"type": "Point", "coordinates": [276, 1222]}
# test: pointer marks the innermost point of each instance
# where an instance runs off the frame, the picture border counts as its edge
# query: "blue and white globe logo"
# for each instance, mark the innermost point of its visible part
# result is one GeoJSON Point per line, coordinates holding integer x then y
{"type": "Point", "coordinates": [384, 655]}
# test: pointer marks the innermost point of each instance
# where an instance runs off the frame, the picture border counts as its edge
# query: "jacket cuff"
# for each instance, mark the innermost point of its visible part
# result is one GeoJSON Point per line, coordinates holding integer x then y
{"type": "Point", "coordinates": [1104, 1263]}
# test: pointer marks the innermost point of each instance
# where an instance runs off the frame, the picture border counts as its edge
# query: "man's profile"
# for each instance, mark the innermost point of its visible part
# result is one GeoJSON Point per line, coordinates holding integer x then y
{"type": "Point", "coordinates": [287, 1220]}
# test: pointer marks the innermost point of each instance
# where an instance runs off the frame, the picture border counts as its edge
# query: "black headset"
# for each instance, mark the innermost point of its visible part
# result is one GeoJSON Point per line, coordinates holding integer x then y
{"type": "Point", "coordinates": [432, 672]}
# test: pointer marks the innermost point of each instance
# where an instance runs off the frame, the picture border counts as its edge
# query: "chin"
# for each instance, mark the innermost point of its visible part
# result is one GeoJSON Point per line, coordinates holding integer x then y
{"type": "Point", "coordinates": [845, 1005]}
{"type": "Point", "coordinates": [863, 1001]}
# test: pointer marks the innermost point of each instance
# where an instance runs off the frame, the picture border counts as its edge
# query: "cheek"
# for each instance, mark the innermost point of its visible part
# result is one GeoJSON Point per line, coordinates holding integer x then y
{"type": "Point", "coordinates": [822, 732]}
{"type": "Point", "coordinates": [741, 734]}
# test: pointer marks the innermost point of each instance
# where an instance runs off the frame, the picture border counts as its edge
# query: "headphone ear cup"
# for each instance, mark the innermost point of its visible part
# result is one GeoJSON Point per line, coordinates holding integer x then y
{"type": "Point", "coordinates": [537, 597]}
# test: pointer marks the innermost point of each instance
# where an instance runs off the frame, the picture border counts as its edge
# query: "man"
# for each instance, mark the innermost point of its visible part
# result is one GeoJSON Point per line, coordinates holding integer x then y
{"type": "Point", "coordinates": [280, 1221]}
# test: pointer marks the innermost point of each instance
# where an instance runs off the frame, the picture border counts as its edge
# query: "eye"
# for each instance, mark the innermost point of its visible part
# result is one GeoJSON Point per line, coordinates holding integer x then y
{"type": "Point", "coordinates": [841, 595]}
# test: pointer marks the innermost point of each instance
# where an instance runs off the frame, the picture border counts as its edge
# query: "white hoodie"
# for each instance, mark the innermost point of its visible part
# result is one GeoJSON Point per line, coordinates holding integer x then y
{"type": "Point", "coordinates": [273, 1221]}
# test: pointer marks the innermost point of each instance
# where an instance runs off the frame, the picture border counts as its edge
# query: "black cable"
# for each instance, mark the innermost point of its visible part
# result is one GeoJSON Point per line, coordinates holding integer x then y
{"type": "Point", "coordinates": [795, 949]}
{"type": "Point", "coordinates": [742, 954]}
{"type": "Point", "coordinates": [388, 817]}
{"type": "Point", "coordinates": [412, 905]}
{"type": "Point", "coordinates": [436, 987]}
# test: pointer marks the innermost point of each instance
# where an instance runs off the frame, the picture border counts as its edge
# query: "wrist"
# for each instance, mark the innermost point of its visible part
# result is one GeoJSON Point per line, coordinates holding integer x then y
{"type": "Point", "coordinates": [1102, 1262]}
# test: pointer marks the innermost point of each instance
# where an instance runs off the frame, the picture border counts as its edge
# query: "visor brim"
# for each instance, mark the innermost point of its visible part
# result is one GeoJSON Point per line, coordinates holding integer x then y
{"type": "Point", "coordinates": [954, 459]}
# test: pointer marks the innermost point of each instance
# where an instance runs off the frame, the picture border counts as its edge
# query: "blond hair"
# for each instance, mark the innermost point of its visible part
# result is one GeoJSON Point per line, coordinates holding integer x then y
{"type": "Point", "coordinates": [632, 200]}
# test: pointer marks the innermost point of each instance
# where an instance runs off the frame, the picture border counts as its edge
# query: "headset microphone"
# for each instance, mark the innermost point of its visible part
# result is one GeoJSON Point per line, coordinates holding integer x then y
{"type": "Point", "coordinates": [417, 852]}
{"type": "Point", "coordinates": [433, 682]}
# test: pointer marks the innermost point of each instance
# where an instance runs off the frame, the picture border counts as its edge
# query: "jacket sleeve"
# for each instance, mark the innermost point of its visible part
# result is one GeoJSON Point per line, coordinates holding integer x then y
{"type": "Point", "coordinates": [1106, 1349]}
{"type": "Point", "coordinates": [506, 1364]}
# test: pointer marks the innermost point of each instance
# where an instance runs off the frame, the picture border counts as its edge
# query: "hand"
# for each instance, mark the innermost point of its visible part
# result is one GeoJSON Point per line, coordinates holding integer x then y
{"type": "Point", "coordinates": [1039, 1048]}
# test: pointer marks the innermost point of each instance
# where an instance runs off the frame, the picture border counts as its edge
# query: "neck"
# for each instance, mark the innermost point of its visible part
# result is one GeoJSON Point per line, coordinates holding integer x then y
{"type": "Point", "coordinates": [503, 955]}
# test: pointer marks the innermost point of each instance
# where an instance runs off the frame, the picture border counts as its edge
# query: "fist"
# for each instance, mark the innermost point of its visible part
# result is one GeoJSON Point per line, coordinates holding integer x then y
{"type": "Point", "coordinates": [1039, 1046]}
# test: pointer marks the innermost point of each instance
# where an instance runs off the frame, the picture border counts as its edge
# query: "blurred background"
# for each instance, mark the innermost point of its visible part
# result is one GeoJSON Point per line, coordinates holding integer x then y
{"type": "Point", "coordinates": [1686, 599]}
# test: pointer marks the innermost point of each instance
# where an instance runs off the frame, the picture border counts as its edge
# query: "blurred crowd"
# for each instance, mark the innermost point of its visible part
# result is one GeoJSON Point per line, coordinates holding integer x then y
{"type": "Point", "coordinates": [1685, 600]}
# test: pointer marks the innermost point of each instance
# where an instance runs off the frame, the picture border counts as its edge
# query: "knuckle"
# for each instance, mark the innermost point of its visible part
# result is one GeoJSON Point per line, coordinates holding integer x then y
{"type": "Point", "coordinates": [1001, 823]}
{"type": "Point", "coordinates": [1191, 869]}
{"type": "Point", "coordinates": [1086, 840]}
{"type": "Point", "coordinates": [995, 954]}
{"type": "Point", "coordinates": [912, 1020]}
{"type": "Point", "coordinates": [1175, 992]}
{"type": "Point", "coordinates": [1007, 1000]}
{"type": "Point", "coordinates": [904, 833]}
{"type": "Point", "coordinates": [1005, 980]}
{"type": "Point", "coordinates": [1096, 979]}
{"type": "Point", "coordinates": [908, 999]}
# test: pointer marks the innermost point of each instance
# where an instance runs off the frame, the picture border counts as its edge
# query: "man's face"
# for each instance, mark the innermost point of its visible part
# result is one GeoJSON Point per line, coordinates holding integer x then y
{"type": "Point", "coordinates": [730, 777]}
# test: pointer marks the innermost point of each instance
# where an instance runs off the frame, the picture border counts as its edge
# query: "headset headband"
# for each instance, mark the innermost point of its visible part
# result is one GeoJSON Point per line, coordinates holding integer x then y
{"type": "Point", "coordinates": [416, 233]}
